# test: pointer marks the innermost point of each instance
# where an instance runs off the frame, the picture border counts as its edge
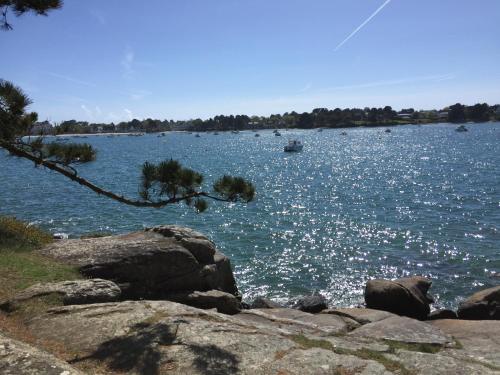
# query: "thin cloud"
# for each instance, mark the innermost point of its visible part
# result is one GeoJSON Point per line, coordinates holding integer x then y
{"type": "Point", "coordinates": [129, 113]}
{"type": "Point", "coordinates": [306, 88]}
{"type": "Point", "coordinates": [363, 24]}
{"type": "Point", "coordinates": [99, 17]}
{"type": "Point", "coordinates": [401, 81]}
{"type": "Point", "coordinates": [140, 94]}
{"type": "Point", "coordinates": [127, 62]}
{"type": "Point", "coordinates": [87, 111]}
{"type": "Point", "coordinates": [92, 114]}
{"type": "Point", "coordinates": [72, 80]}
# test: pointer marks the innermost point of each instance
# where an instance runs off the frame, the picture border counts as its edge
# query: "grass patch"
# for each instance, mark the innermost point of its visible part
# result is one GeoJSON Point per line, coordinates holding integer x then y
{"type": "Point", "coordinates": [363, 353]}
{"type": "Point", "coordinates": [458, 344]}
{"type": "Point", "coordinates": [389, 364]}
{"type": "Point", "coordinates": [17, 235]}
{"type": "Point", "coordinates": [423, 348]}
{"type": "Point", "coordinates": [20, 266]}
{"type": "Point", "coordinates": [308, 343]}
{"type": "Point", "coordinates": [38, 305]}
{"type": "Point", "coordinates": [19, 270]}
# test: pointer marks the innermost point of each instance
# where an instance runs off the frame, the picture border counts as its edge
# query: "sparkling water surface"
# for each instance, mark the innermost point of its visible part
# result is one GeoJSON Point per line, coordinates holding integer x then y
{"type": "Point", "coordinates": [420, 200]}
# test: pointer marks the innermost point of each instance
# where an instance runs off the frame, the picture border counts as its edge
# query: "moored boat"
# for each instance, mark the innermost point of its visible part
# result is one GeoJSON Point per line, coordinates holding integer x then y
{"type": "Point", "coordinates": [293, 145]}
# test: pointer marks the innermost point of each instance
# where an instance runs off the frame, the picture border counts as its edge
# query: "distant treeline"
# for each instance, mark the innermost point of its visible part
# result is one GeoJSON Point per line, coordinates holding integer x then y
{"type": "Point", "coordinates": [318, 118]}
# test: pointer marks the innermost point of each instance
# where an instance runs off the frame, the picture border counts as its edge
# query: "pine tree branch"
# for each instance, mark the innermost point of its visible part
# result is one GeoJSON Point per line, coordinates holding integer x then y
{"type": "Point", "coordinates": [72, 175]}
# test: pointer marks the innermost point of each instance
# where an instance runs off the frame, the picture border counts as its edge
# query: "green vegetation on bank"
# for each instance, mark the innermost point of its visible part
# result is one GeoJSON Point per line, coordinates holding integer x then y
{"type": "Point", "coordinates": [317, 118]}
{"type": "Point", "coordinates": [20, 265]}
{"type": "Point", "coordinates": [363, 353]}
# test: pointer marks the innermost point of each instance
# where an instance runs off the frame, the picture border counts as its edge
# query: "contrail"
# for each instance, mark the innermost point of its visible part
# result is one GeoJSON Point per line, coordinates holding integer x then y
{"type": "Point", "coordinates": [363, 24]}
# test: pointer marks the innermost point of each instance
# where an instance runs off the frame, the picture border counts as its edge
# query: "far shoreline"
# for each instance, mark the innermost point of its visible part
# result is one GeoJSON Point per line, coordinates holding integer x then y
{"type": "Point", "coordinates": [347, 126]}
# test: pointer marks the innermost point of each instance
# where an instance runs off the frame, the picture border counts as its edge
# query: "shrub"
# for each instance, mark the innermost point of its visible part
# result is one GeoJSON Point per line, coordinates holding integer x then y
{"type": "Point", "coordinates": [17, 234]}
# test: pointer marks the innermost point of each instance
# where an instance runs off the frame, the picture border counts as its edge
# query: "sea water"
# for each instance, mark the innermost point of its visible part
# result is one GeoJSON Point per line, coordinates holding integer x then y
{"type": "Point", "coordinates": [420, 200]}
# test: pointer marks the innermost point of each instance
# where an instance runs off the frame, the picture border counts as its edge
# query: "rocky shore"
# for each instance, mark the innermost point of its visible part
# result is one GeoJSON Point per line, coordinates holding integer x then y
{"type": "Point", "coordinates": [165, 301]}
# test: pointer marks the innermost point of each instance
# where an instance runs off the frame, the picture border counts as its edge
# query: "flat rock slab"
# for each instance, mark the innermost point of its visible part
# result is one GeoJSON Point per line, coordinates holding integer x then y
{"type": "Point", "coordinates": [18, 358]}
{"type": "Point", "coordinates": [75, 292]}
{"type": "Point", "coordinates": [225, 303]}
{"type": "Point", "coordinates": [438, 364]}
{"type": "Point", "coordinates": [323, 362]}
{"type": "Point", "coordinates": [405, 330]}
{"type": "Point", "coordinates": [155, 337]}
{"type": "Point", "coordinates": [360, 315]}
{"type": "Point", "coordinates": [480, 338]}
{"type": "Point", "coordinates": [295, 321]}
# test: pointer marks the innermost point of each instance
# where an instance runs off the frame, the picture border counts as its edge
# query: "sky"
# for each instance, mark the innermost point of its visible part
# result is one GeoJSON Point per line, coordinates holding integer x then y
{"type": "Point", "coordinates": [114, 60]}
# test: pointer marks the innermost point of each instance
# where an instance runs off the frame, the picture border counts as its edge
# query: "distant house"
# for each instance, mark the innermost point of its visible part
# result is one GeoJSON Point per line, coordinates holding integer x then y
{"type": "Point", "coordinates": [443, 115]}
{"type": "Point", "coordinates": [404, 116]}
{"type": "Point", "coordinates": [42, 128]}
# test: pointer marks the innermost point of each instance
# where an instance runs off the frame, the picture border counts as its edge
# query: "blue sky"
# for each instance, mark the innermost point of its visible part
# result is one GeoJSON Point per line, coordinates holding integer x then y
{"type": "Point", "coordinates": [115, 60]}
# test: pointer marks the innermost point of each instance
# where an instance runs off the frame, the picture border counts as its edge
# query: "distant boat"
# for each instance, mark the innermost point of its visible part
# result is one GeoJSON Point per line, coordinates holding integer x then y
{"type": "Point", "coordinates": [60, 236]}
{"type": "Point", "coordinates": [387, 130]}
{"type": "Point", "coordinates": [257, 134]}
{"type": "Point", "coordinates": [235, 132]}
{"type": "Point", "coordinates": [320, 130]}
{"type": "Point", "coordinates": [215, 133]}
{"type": "Point", "coordinates": [277, 134]}
{"type": "Point", "coordinates": [461, 129]}
{"type": "Point", "coordinates": [343, 133]}
{"type": "Point", "coordinates": [293, 145]}
{"type": "Point", "coordinates": [197, 136]}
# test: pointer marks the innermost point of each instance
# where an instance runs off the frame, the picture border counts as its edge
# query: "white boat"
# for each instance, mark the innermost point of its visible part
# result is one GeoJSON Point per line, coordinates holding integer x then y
{"type": "Point", "coordinates": [294, 145]}
{"type": "Point", "coordinates": [461, 128]}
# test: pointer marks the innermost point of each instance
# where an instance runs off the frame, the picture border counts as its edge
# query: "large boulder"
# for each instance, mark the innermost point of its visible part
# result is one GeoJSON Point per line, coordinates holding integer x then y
{"type": "Point", "coordinates": [483, 305]}
{"type": "Point", "coordinates": [75, 292]}
{"type": "Point", "coordinates": [150, 264]}
{"type": "Point", "coordinates": [312, 304]}
{"type": "Point", "coordinates": [406, 296]}
{"type": "Point", "coordinates": [264, 303]}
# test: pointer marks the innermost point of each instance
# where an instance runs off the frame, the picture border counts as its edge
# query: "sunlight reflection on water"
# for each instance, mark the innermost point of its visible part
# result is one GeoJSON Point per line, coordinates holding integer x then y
{"type": "Point", "coordinates": [420, 200]}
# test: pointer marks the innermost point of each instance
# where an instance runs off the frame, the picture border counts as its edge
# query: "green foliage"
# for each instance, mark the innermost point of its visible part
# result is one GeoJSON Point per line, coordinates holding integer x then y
{"type": "Point", "coordinates": [69, 153]}
{"type": "Point", "coordinates": [19, 7]}
{"type": "Point", "coordinates": [414, 347]}
{"type": "Point", "coordinates": [456, 113]}
{"type": "Point", "coordinates": [14, 121]}
{"type": "Point", "coordinates": [235, 189]}
{"type": "Point", "coordinates": [171, 180]}
{"type": "Point", "coordinates": [168, 178]}
{"type": "Point", "coordinates": [15, 234]}
{"type": "Point", "coordinates": [308, 343]}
